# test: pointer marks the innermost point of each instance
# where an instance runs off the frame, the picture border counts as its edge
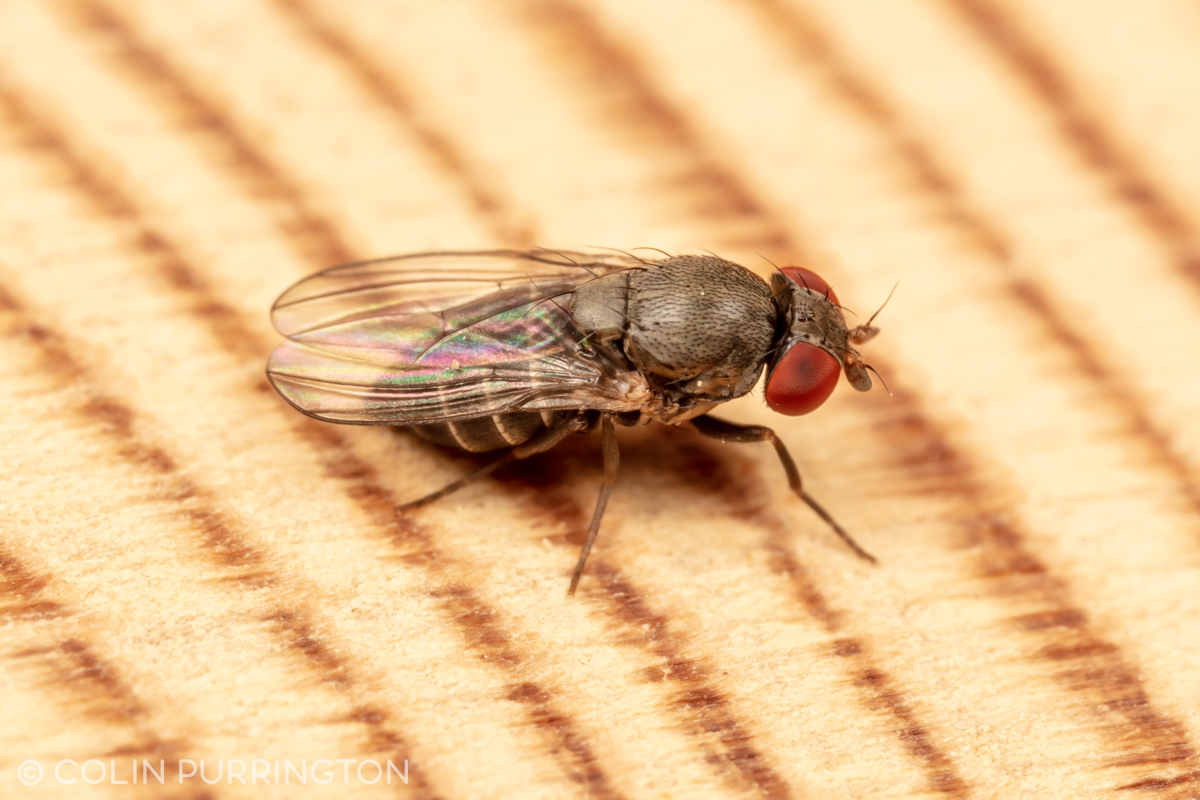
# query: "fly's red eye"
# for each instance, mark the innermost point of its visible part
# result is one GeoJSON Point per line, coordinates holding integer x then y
{"type": "Point", "coordinates": [811, 280]}
{"type": "Point", "coordinates": [802, 380]}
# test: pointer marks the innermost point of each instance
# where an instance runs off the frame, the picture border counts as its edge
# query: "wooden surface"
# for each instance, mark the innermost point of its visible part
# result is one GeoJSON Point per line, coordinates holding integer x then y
{"type": "Point", "coordinates": [191, 570]}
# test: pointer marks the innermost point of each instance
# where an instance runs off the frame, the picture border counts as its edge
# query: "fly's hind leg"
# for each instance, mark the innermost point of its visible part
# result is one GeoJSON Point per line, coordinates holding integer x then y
{"type": "Point", "coordinates": [724, 431]}
{"type": "Point", "coordinates": [612, 459]}
{"type": "Point", "coordinates": [541, 444]}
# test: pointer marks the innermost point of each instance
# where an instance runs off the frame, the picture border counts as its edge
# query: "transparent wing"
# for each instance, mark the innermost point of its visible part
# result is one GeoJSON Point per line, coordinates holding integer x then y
{"type": "Point", "coordinates": [442, 336]}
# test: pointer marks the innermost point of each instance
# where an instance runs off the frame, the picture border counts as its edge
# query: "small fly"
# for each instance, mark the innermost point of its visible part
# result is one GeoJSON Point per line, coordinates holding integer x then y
{"type": "Point", "coordinates": [511, 351]}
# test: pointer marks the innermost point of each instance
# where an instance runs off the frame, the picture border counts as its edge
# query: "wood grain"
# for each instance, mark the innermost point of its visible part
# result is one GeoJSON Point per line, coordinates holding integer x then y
{"type": "Point", "coordinates": [191, 570]}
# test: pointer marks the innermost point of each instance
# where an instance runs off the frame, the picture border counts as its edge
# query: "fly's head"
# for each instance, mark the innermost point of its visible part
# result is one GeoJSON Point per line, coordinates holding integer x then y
{"type": "Point", "coordinates": [813, 344]}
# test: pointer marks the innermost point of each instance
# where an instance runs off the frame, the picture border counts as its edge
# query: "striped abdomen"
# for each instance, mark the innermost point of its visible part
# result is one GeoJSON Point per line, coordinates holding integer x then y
{"type": "Point", "coordinates": [496, 432]}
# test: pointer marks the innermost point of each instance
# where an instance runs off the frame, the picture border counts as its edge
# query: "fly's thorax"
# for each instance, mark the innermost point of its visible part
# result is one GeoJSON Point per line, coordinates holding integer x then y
{"type": "Point", "coordinates": [699, 326]}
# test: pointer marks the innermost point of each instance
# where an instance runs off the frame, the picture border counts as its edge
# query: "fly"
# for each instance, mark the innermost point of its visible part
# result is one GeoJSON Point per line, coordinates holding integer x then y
{"type": "Point", "coordinates": [502, 350]}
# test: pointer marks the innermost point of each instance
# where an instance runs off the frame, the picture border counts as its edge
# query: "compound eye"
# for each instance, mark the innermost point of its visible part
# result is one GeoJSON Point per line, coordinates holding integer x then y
{"type": "Point", "coordinates": [802, 380]}
{"type": "Point", "coordinates": [811, 280]}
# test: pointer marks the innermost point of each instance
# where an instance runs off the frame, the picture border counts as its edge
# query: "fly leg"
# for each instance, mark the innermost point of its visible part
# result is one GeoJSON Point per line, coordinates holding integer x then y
{"type": "Point", "coordinates": [612, 458]}
{"type": "Point", "coordinates": [534, 446]}
{"type": "Point", "coordinates": [724, 431]}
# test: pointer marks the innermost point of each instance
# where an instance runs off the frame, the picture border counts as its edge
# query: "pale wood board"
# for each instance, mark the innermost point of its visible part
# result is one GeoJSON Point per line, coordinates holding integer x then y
{"type": "Point", "coordinates": [189, 569]}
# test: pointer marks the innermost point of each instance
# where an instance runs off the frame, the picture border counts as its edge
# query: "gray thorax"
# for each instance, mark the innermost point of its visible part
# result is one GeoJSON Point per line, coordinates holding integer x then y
{"type": "Point", "coordinates": [698, 328]}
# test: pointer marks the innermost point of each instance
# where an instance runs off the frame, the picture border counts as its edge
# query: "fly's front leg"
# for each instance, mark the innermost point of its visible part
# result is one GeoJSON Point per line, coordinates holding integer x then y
{"type": "Point", "coordinates": [724, 431]}
{"type": "Point", "coordinates": [534, 446]}
{"type": "Point", "coordinates": [612, 459]}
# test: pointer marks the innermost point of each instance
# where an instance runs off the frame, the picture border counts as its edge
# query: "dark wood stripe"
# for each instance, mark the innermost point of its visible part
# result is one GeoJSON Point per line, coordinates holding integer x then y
{"type": "Point", "coordinates": [697, 696]}
{"type": "Point", "coordinates": [713, 192]}
{"type": "Point", "coordinates": [312, 236]}
{"type": "Point", "coordinates": [223, 540]}
{"type": "Point", "coordinates": [22, 594]}
{"type": "Point", "coordinates": [96, 688]}
{"type": "Point", "coordinates": [510, 229]}
{"type": "Point", "coordinates": [95, 684]}
{"type": "Point", "coordinates": [1129, 720]}
{"type": "Point", "coordinates": [694, 698]}
{"type": "Point", "coordinates": [1131, 183]}
{"type": "Point", "coordinates": [735, 480]}
{"type": "Point", "coordinates": [359, 479]}
{"type": "Point", "coordinates": [1109, 685]}
{"type": "Point", "coordinates": [24, 600]}
{"type": "Point", "coordinates": [635, 102]}
{"type": "Point", "coordinates": [933, 178]}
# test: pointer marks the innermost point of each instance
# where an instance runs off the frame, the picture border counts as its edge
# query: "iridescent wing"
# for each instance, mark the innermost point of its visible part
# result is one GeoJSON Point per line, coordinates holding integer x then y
{"type": "Point", "coordinates": [442, 336]}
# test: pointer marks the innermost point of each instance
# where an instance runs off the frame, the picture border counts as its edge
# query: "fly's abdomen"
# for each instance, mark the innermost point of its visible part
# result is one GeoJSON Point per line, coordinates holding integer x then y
{"type": "Point", "coordinates": [495, 432]}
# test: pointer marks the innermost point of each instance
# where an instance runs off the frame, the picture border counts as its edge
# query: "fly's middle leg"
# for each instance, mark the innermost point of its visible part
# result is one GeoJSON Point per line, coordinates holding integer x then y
{"type": "Point", "coordinates": [612, 459]}
{"type": "Point", "coordinates": [540, 444]}
{"type": "Point", "coordinates": [724, 431]}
